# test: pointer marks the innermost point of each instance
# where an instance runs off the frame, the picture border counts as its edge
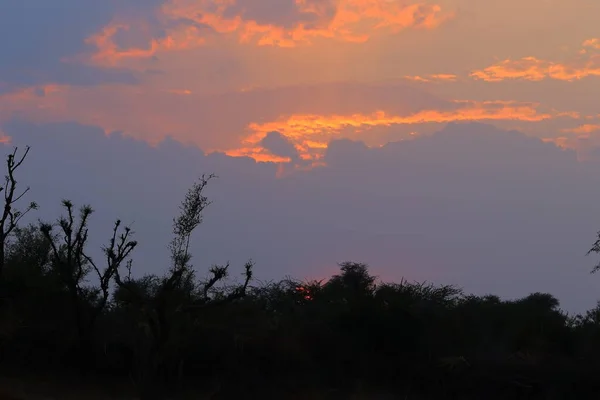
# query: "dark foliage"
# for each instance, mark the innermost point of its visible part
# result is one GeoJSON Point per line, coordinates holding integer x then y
{"type": "Point", "coordinates": [165, 335]}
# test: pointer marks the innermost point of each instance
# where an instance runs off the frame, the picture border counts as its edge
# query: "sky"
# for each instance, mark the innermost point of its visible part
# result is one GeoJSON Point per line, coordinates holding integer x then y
{"type": "Point", "coordinates": [454, 141]}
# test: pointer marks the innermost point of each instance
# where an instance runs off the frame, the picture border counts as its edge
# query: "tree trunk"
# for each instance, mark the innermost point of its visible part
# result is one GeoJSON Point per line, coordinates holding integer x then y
{"type": "Point", "coordinates": [2, 255]}
{"type": "Point", "coordinates": [150, 386]}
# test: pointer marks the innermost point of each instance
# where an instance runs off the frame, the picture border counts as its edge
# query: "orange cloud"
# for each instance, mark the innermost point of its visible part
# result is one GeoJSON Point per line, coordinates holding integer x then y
{"type": "Point", "coordinates": [346, 20]}
{"type": "Point", "coordinates": [151, 115]}
{"type": "Point", "coordinates": [183, 92]}
{"type": "Point", "coordinates": [111, 107]}
{"type": "Point", "coordinates": [4, 138]}
{"type": "Point", "coordinates": [586, 128]}
{"type": "Point", "coordinates": [593, 43]}
{"type": "Point", "coordinates": [212, 121]}
{"type": "Point", "coordinates": [534, 69]}
{"type": "Point", "coordinates": [562, 142]}
{"type": "Point", "coordinates": [310, 133]}
{"type": "Point", "coordinates": [432, 78]}
{"type": "Point", "coordinates": [352, 20]}
{"type": "Point", "coordinates": [583, 145]}
{"type": "Point", "coordinates": [21, 101]}
{"type": "Point", "coordinates": [583, 139]}
{"type": "Point", "coordinates": [259, 154]}
{"type": "Point", "coordinates": [109, 53]}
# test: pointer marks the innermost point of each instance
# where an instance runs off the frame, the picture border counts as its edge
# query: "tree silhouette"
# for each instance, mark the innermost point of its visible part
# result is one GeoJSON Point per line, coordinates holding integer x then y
{"type": "Point", "coordinates": [352, 336]}
{"type": "Point", "coordinates": [72, 265]}
{"type": "Point", "coordinates": [10, 216]}
{"type": "Point", "coordinates": [177, 297]}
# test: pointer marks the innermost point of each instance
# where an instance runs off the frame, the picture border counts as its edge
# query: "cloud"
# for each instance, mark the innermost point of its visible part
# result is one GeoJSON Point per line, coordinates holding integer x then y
{"type": "Point", "coordinates": [592, 43]}
{"type": "Point", "coordinates": [432, 78]}
{"type": "Point", "coordinates": [187, 24]}
{"type": "Point", "coordinates": [214, 122]}
{"type": "Point", "coordinates": [36, 36]}
{"type": "Point", "coordinates": [109, 52]}
{"type": "Point", "coordinates": [534, 69]}
{"type": "Point", "coordinates": [279, 145]}
{"type": "Point", "coordinates": [311, 133]}
{"type": "Point", "coordinates": [442, 207]}
{"type": "Point", "coordinates": [307, 116]}
{"type": "Point", "coordinates": [585, 128]}
{"type": "Point", "coordinates": [584, 139]}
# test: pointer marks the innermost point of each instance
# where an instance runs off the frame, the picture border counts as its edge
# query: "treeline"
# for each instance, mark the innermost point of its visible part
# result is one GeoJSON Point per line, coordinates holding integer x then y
{"type": "Point", "coordinates": [186, 331]}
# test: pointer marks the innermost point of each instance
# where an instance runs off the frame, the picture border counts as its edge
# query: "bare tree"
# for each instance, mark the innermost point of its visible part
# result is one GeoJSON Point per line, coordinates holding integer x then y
{"type": "Point", "coordinates": [10, 215]}
{"type": "Point", "coordinates": [596, 250]}
{"type": "Point", "coordinates": [72, 264]}
{"type": "Point", "coordinates": [160, 308]}
{"type": "Point", "coordinates": [189, 218]}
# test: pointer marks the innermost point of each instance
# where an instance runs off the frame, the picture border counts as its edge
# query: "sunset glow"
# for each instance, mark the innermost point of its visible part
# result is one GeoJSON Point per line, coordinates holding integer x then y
{"type": "Point", "coordinates": [221, 74]}
{"type": "Point", "coordinates": [585, 64]}
{"type": "Point", "coordinates": [311, 133]}
{"type": "Point", "coordinates": [353, 21]}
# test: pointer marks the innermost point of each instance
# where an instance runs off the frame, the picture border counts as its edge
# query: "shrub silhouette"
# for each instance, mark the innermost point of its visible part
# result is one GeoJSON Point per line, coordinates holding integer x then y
{"type": "Point", "coordinates": [188, 331]}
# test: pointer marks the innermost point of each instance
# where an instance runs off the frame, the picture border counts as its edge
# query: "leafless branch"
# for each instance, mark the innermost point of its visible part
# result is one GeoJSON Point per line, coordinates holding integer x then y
{"type": "Point", "coordinates": [218, 273]}
{"type": "Point", "coordinates": [235, 294]}
{"type": "Point", "coordinates": [118, 250]}
{"type": "Point", "coordinates": [71, 261]}
{"type": "Point", "coordinates": [10, 217]}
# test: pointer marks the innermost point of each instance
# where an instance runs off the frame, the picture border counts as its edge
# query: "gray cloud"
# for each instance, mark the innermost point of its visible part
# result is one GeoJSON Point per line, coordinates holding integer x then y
{"type": "Point", "coordinates": [279, 145]}
{"type": "Point", "coordinates": [490, 210]}
{"type": "Point", "coordinates": [36, 35]}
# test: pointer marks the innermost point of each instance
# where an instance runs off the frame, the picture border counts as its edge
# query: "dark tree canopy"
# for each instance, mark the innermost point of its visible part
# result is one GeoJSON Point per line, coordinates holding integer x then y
{"type": "Point", "coordinates": [191, 332]}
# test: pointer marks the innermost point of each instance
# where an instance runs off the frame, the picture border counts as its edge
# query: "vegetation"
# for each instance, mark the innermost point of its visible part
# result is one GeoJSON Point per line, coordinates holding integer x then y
{"type": "Point", "coordinates": [183, 332]}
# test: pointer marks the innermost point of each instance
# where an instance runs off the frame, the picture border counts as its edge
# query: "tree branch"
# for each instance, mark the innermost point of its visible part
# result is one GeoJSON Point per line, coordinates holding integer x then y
{"type": "Point", "coordinates": [10, 217]}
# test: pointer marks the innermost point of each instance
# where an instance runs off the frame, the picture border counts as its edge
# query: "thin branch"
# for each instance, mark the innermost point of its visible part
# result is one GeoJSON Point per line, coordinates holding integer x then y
{"type": "Point", "coordinates": [236, 294]}
{"type": "Point", "coordinates": [218, 273]}
{"type": "Point", "coordinates": [10, 217]}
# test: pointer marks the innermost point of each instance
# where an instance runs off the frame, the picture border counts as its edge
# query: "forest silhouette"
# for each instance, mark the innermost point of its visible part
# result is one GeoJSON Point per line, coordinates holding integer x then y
{"type": "Point", "coordinates": [195, 333]}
